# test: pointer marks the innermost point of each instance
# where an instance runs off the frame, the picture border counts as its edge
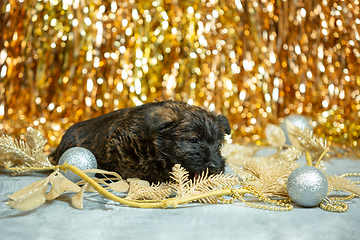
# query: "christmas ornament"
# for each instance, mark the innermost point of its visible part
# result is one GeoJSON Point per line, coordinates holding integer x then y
{"type": "Point", "coordinates": [307, 186]}
{"type": "Point", "coordinates": [299, 121]}
{"type": "Point", "coordinates": [80, 158]}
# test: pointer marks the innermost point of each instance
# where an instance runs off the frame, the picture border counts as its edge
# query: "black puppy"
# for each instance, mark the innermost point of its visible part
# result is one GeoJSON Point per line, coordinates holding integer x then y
{"type": "Point", "coordinates": [147, 141]}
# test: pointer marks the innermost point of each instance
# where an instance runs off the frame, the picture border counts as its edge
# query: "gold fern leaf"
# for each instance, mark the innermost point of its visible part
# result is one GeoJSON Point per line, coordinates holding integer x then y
{"type": "Point", "coordinates": [16, 149]}
{"type": "Point", "coordinates": [239, 171]}
{"type": "Point", "coordinates": [36, 141]}
{"type": "Point", "coordinates": [253, 168]}
{"type": "Point", "coordinates": [270, 180]}
{"type": "Point", "coordinates": [141, 190]}
{"type": "Point", "coordinates": [304, 140]}
{"type": "Point", "coordinates": [343, 184]}
{"type": "Point", "coordinates": [184, 187]}
{"type": "Point", "coordinates": [290, 155]}
{"type": "Point", "coordinates": [206, 183]}
{"type": "Point", "coordinates": [181, 179]}
{"type": "Point", "coordinates": [20, 154]}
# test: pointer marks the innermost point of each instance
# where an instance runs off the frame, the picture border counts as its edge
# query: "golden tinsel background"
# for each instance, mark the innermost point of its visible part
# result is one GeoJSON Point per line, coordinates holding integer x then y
{"type": "Point", "coordinates": [255, 61]}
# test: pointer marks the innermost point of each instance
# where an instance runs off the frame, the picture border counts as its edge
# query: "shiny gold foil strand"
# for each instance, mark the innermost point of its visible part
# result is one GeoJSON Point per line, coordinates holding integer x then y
{"type": "Point", "coordinates": [243, 58]}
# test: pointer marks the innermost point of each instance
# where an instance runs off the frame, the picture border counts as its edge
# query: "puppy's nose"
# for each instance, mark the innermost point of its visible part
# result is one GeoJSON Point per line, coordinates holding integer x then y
{"type": "Point", "coordinates": [213, 169]}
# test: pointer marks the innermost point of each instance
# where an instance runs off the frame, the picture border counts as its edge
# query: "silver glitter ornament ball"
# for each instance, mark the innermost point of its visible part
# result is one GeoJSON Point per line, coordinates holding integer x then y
{"type": "Point", "coordinates": [307, 186]}
{"type": "Point", "coordinates": [299, 121]}
{"type": "Point", "coordinates": [79, 157]}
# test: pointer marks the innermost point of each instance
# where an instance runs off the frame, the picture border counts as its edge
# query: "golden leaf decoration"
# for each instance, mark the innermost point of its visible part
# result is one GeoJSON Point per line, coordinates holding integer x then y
{"type": "Point", "coordinates": [206, 183]}
{"type": "Point", "coordinates": [119, 186]}
{"type": "Point", "coordinates": [181, 179]}
{"type": "Point", "coordinates": [36, 141]}
{"type": "Point", "coordinates": [289, 156]}
{"type": "Point", "coordinates": [60, 184]}
{"type": "Point", "coordinates": [88, 188]}
{"type": "Point", "coordinates": [142, 190]}
{"type": "Point", "coordinates": [270, 180]}
{"type": "Point", "coordinates": [184, 187]}
{"type": "Point", "coordinates": [34, 195]}
{"type": "Point", "coordinates": [275, 135]}
{"type": "Point", "coordinates": [29, 197]}
{"type": "Point", "coordinates": [20, 155]}
{"type": "Point", "coordinates": [304, 140]}
{"type": "Point", "coordinates": [343, 184]}
{"type": "Point", "coordinates": [78, 199]}
{"type": "Point", "coordinates": [239, 171]}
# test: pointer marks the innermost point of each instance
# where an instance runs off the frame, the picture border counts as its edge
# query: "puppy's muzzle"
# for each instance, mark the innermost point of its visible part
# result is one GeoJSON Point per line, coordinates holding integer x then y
{"type": "Point", "coordinates": [213, 168]}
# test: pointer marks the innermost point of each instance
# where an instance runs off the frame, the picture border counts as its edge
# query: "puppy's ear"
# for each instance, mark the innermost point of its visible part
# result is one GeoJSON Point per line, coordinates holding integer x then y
{"type": "Point", "coordinates": [224, 122]}
{"type": "Point", "coordinates": [159, 119]}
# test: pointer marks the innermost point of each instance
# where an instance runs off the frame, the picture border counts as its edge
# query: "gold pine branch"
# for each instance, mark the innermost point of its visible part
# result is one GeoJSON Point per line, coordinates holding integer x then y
{"type": "Point", "coordinates": [18, 155]}
{"type": "Point", "coordinates": [181, 179]}
{"type": "Point", "coordinates": [304, 140]}
{"type": "Point", "coordinates": [155, 192]}
{"type": "Point", "coordinates": [207, 183]}
{"type": "Point", "coordinates": [290, 155]}
{"type": "Point", "coordinates": [343, 184]}
{"type": "Point", "coordinates": [36, 141]}
{"type": "Point", "coordinates": [18, 149]}
{"type": "Point", "coordinates": [201, 184]}
{"type": "Point", "coordinates": [269, 180]}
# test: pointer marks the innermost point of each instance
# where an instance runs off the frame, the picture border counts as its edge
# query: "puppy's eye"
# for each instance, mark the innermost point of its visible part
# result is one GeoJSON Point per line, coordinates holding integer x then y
{"type": "Point", "coordinates": [193, 140]}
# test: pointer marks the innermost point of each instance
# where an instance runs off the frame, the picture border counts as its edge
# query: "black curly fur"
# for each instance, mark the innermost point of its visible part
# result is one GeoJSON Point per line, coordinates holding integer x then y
{"type": "Point", "coordinates": [147, 141]}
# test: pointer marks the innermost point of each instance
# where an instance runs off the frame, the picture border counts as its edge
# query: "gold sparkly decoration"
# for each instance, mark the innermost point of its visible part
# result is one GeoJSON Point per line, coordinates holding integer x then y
{"type": "Point", "coordinates": [270, 181]}
{"type": "Point", "coordinates": [304, 140]}
{"type": "Point", "coordinates": [254, 61]}
{"type": "Point", "coordinates": [185, 187]}
{"type": "Point", "coordinates": [35, 195]}
{"type": "Point", "coordinates": [17, 155]}
{"type": "Point", "coordinates": [281, 205]}
{"type": "Point", "coordinates": [330, 205]}
{"type": "Point", "coordinates": [142, 190]}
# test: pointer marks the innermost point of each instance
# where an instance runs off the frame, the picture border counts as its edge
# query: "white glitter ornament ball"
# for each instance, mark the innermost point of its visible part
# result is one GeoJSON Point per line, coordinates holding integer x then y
{"type": "Point", "coordinates": [297, 120]}
{"type": "Point", "coordinates": [307, 186]}
{"type": "Point", "coordinates": [79, 157]}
